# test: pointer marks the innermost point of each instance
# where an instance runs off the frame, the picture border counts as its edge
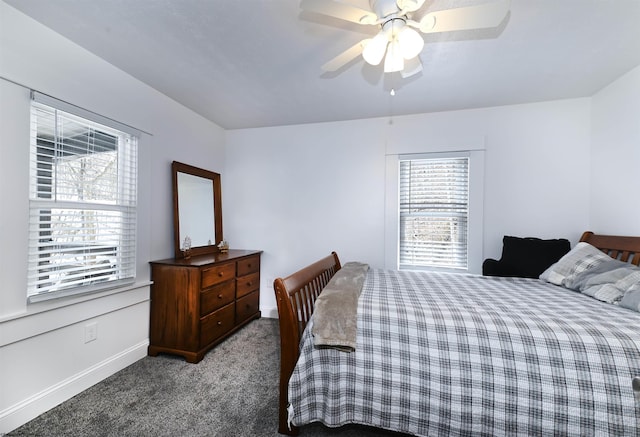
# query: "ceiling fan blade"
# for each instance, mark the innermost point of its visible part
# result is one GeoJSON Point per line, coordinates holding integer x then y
{"type": "Point", "coordinates": [472, 17]}
{"type": "Point", "coordinates": [411, 66]}
{"type": "Point", "coordinates": [409, 5]}
{"type": "Point", "coordinates": [339, 10]}
{"type": "Point", "coordinates": [345, 57]}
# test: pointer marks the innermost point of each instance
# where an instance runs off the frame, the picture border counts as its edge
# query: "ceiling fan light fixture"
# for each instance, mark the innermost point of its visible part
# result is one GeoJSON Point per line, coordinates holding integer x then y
{"type": "Point", "coordinates": [410, 42]}
{"type": "Point", "coordinates": [394, 61]}
{"type": "Point", "coordinates": [374, 50]}
{"type": "Point", "coordinates": [411, 67]}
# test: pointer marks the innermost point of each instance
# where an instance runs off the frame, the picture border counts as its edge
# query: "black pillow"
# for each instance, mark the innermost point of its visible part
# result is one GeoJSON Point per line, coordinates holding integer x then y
{"type": "Point", "coordinates": [529, 257]}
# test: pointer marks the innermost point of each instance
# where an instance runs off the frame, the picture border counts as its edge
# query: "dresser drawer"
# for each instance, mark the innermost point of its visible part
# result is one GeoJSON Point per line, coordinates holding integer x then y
{"type": "Point", "coordinates": [247, 284]}
{"type": "Point", "coordinates": [217, 274]}
{"type": "Point", "coordinates": [247, 306]}
{"type": "Point", "coordinates": [248, 265]}
{"type": "Point", "coordinates": [216, 297]}
{"type": "Point", "coordinates": [216, 324]}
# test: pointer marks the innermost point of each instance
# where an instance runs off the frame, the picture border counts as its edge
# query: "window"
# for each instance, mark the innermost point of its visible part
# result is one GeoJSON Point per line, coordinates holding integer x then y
{"type": "Point", "coordinates": [82, 222]}
{"type": "Point", "coordinates": [434, 211]}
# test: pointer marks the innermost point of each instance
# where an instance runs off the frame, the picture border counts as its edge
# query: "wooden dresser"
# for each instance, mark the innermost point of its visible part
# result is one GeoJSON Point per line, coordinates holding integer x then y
{"type": "Point", "coordinates": [197, 302]}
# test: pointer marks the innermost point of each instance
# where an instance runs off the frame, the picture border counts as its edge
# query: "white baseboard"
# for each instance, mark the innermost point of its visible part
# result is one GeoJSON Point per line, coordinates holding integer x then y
{"type": "Point", "coordinates": [270, 313]}
{"type": "Point", "coordinates": [30, 408]}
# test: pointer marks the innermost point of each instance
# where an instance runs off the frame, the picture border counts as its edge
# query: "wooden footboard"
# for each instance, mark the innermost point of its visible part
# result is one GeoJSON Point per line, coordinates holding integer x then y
{"type": "Point", "coordinates": [296, 295]}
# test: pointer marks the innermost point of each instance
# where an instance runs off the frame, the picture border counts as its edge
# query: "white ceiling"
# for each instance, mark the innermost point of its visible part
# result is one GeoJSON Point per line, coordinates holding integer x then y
{"type": "Point", "coordinates": [256, 63]}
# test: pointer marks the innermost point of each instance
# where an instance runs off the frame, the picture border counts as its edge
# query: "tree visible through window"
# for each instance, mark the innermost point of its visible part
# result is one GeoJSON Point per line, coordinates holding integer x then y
{"type": "Point", "coordinates": [434, 212]}
{"type": "Point", "coordinates": [82, 203]}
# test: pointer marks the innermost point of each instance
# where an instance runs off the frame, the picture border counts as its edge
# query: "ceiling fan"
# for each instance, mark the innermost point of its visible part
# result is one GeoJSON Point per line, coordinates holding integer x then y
{"type": "Point", "coordinates": [398, 42]}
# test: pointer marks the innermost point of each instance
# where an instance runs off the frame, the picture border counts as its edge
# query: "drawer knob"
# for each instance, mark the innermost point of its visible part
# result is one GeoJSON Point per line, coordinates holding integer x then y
{"type": "Point", "coordinates": [220, 274]}
{"type": "Point", "coordinates": [249, 265]}
{"type": "Point", "coordinates": [219, 323]}
{"type": "Point", "coordinates": [249, 283]}
{"type": "Point", "coordinates": [220, 296]}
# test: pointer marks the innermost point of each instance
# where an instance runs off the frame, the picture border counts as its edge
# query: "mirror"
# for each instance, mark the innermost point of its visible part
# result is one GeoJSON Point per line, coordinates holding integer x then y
{"type": "Point", "coordinates": [197, 210]}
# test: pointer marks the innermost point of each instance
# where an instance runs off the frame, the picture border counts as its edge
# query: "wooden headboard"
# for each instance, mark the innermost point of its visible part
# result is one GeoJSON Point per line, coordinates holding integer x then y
{"type": "Point", "coordinates": [626, 249]}
{"type": "Point", "coordinates": [296, 296]}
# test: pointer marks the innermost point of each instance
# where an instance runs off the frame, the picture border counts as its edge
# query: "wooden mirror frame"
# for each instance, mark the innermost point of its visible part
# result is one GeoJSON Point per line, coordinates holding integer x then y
{"type": "Point", "coordinates": [178, 167]}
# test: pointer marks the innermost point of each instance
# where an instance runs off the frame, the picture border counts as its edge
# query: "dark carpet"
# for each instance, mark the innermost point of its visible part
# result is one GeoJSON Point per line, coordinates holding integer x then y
{"type": "Point", "coordinates": [233, 391]}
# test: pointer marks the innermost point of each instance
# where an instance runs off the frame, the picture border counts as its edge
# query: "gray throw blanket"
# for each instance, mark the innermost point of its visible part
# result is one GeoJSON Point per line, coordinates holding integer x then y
{"type": "Point", "coordinates": [336, 310]}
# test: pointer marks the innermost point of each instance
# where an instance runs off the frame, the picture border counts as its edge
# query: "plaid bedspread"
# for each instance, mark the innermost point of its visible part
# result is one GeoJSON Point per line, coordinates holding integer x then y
{"type": "Point", "coordinates": [441, 354]}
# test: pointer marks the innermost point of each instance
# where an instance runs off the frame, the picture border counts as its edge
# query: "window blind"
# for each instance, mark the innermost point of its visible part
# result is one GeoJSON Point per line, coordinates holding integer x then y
{"type": "Point", "coordinates": [434, 212]}
{"type": "Point", "coordinates": [83, 188]}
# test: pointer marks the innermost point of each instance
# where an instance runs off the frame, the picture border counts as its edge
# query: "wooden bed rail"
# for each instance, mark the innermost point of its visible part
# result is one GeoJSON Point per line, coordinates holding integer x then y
{"type": "Point", "coordinates": [625, 249]}
{"type": "Point", "coordinates": [296, 296]}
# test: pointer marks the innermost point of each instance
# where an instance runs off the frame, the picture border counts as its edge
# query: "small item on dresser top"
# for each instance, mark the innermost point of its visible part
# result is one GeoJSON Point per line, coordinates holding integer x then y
{"type": "Point", "coordinates": [186, 247]}
{"type": "Point", "coordinates": [223, 246]}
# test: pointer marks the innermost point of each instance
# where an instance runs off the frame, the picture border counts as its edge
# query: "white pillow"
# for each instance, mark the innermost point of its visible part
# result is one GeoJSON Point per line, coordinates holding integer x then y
{"type": "Point", "coordinates": [582, 257]}
{"type": "Point", "coordinates": [612, 292]}
{"type": "Point", "coordinates": [631, 298]}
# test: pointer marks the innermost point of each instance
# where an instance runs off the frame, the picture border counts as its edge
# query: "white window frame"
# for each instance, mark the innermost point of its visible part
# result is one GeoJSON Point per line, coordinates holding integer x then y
{"type": "Point", "coordinates": [116, 244]}
{"type": "Point", "coordinates": [475, 219]}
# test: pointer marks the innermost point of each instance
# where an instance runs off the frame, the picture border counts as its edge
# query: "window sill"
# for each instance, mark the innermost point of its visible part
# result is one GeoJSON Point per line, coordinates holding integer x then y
{"type": "Point", "coordinates": [62, 302]}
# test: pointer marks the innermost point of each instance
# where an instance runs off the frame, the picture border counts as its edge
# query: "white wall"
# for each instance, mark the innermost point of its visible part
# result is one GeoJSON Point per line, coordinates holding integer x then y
{"type": "Point", "coordinates": [615, 152]}
{"type": "Point", "coordinates": [43, 357]}
{"type": "Point", "coordinates": [299, 192]}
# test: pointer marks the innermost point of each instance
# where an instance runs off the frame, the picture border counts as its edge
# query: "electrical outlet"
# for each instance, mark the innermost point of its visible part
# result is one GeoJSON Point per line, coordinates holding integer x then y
{"type": "Point", "coordinates": [90, 332]}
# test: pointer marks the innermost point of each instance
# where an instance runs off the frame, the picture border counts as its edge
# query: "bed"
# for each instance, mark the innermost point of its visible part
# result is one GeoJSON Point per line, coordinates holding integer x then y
{"type": "Point", "coordinates": [445, 354]}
